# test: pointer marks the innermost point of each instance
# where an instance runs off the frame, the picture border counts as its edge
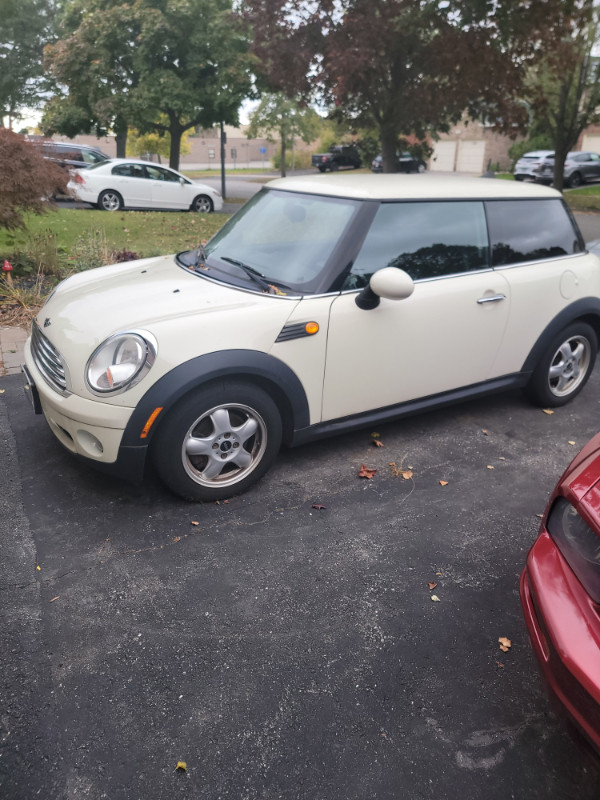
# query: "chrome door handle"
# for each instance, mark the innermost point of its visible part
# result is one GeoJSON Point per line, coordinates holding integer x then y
{"type": "Point", "coordinates": [494, 299]}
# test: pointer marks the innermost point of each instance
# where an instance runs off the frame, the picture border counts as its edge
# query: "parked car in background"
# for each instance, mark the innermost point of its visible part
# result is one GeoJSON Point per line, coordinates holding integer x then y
{"type": "Point", "coordinates": [299, 318]}
{"type": "Point", "coordinates": [580, 168]}
{"type": "Point", "coordinates": [405, 162]}
{"type": "Point", "coordinates": [338, 156]}
{"type": "Point", "coordinates": [529, 165]}
{"type": "Point", "coordinates": [71, 155]}
{"type": "Point", "coordinates": [560, 592]}
{"type": "Point", "coordinates": [131, 183]}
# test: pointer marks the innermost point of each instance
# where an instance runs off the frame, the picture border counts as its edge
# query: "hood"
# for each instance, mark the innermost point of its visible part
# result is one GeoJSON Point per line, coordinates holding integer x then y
{"type": "Point", "coordinates": [88, 307]}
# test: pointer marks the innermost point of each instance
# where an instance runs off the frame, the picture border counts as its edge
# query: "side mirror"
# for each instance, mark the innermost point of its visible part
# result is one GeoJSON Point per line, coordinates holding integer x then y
{"type": "Point", "coordinates": [182, 181]}
{"type": "Point", "coordinates": [390, 283]}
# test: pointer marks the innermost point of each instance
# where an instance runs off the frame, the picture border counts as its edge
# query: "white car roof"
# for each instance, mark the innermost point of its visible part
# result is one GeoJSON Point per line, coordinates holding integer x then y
{"type": "Point", "coordinates": [411, 187]}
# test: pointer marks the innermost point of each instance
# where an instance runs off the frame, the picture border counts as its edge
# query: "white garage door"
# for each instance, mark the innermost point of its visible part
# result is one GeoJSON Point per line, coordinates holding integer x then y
{"type": "Point", "coordinates": [442, 159]}
{"type": "Point", "coordinates": [470, 156]}
{"type": "Point", "coordinates": [591, 143]}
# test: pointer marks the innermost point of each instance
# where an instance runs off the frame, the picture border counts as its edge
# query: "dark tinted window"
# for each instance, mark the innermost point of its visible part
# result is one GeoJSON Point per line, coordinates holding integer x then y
{"type": "Point", "coordinates": [161, 174]}
{"type": "Point", "coordinates": [530, 230]}
{"type": "Point", "coordinates": [427, 240]}
{"type": "Point", "coordinates": [129, 170]}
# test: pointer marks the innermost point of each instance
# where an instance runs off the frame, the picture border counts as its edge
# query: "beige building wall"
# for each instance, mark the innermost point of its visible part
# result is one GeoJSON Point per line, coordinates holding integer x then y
{"type": "Point", "coordinates": [469, 147]}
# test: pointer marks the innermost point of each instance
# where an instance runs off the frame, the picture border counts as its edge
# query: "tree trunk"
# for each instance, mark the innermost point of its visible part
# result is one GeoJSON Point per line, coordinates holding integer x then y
{"type": "Point", "coordinates": [283, 154]}
{"type": "Point", "coordinates": [176, 131]}
{"type": "Point", "coordinates": [120, 128]}
{"type": "Point", "coordinates": [389, 142]}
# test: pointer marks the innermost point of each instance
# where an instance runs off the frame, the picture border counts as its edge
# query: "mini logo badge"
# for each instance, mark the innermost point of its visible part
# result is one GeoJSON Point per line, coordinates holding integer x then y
{"type": "Point", "coordinates": [47, 322]}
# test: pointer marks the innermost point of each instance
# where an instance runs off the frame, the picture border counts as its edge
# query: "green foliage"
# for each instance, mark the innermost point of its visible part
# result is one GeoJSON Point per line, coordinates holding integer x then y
{"type": "Point", "coordinates": [25, 26]}
{"type": "Point", "coordinates": [278, 117]}
{"type": "Point", "coordinates": [158, 144]}
{"type": "Point", "coordinates": [541, 142]}
{"type": "Point", "coordinates": [165, 65]}
{"type": "Point", "coordinates": [90, 251]}
{"type": "Point", "coordinates": [299, 159]}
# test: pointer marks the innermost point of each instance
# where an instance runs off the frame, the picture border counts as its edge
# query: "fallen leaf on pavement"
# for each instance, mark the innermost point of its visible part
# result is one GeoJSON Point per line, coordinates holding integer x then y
{"type": "Point", "coordinates": [375, 435]}
{"type": "Point", "coordinates": [505, 644]}
{"type": "Point", "coordinates": [181, 766]}
{"type": "Point", "coordinates": [547, 411]}
{"type": "Point", "coordinates": [2, 391]}
{"type": "Point", "coordinates": [483, 430]}
{"type": "Point", "coordinates": [500, 665]}
{"type": "Point", "coordinates": [319, 507]}
{"type": "Point", "coordinates": [55, 598]}
{"type": "Point", "coordinates": [432, 585]}
{"type": "Point", "coordinates": [365, 472]}
{"type": "Point", "coordinates": [435, 598]}
{"type": "Point", "coordinates": [443, 483]}
{"type": "Point", "coordinates": [378, 443]}
{"type": "Point", "coordinates": [490, 466]}
{"type": "Point", "coordinates": [177, 539]}
{"type": "Point", "coordinates": [406, 474]}
{"type": "Point", "coordinates": [194, 522]}
{"type": "Point", "coordinates": [571, 442]}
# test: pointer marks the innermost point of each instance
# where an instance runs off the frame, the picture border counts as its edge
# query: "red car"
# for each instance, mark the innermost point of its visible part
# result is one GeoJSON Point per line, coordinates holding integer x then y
{"type": "Point", "coordinates": [560, 591]}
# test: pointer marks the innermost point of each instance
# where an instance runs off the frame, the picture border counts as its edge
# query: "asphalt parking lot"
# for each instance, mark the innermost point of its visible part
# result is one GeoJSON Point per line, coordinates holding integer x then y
{"type": "Point", "coordinates": [278, 649]}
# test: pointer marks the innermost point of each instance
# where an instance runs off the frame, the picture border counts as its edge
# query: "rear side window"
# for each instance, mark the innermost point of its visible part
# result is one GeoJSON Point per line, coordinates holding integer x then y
{"type": "Point", "coordinates": [427, 240]}
{"type": "Point", "coordinates": [530, 230]}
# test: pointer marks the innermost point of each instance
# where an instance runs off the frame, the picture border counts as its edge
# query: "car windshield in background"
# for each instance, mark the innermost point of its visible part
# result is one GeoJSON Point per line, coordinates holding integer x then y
{"type": "Point", "coordinates": [286, 237]}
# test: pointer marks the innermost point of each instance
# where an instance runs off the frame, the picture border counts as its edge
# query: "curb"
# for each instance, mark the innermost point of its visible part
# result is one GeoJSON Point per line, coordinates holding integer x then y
{"type": "Point", "coordinates": [12, 342]}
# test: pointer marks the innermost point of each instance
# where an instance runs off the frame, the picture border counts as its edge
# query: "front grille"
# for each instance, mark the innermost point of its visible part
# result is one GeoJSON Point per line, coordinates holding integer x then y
{"type": "Point", "coordinates": [47, 359]}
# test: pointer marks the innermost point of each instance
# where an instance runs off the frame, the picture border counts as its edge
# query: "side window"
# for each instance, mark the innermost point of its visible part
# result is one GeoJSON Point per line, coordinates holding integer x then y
{"type": "Point", "coordinates": [159, 174]}
{"type": "Point", "coordinates": [129, 170]}
{"type": "Point", "coordinates": [530, 230]}
{"type": "Point", "coordinates": [90, 157]}
{"type": "Point", "coordinates": [427, 240]}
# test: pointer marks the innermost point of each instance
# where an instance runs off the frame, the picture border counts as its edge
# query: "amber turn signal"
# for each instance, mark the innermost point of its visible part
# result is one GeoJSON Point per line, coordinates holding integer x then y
{"type": "Point", "coordinates": [311, 327]}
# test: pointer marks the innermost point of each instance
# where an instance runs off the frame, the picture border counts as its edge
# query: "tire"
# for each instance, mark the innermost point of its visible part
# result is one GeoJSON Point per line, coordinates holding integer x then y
{"type": "Point", "coordinates": [322, 169]}
{"type": "Point", "coordinates": [421, 168]}
{"type": "Point", "coordinates": [335, 166]}
{"type": "Point", "coordinates": [575, 180]}
{"type": "Point", "coordinates": [236, 431]}
{"type": "Point", "coordinates": [110, 201]}
{"type": "Point", "coordinates": [202, 204]}
{"type": "Point", "coordinates": [565, 367]}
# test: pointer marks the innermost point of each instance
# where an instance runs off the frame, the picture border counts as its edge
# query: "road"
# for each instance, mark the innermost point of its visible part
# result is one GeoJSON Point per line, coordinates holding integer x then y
{"type": "Point", "coordinates": [280, 650]}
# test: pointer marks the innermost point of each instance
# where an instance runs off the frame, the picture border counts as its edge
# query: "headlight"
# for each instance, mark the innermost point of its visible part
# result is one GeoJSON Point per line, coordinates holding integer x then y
{"type": "Point", "coordinates": [579, 544]}
{"type": "Point", "coordinates": [120, 362]}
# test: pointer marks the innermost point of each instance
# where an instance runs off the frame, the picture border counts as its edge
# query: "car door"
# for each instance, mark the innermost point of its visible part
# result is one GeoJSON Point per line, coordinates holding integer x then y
{"type": "Point", "coordinates": [167, 191]}
{"type": "Point", "coordinates": [446, 335]}
{"type": "Point", "coordinates": [131, 182]}
{"type": "Point", "coordinates": [592, 166]}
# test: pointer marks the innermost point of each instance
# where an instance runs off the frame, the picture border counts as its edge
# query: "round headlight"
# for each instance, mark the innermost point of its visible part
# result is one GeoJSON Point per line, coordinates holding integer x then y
{"type": "Point", "coordinates": [120, 362]}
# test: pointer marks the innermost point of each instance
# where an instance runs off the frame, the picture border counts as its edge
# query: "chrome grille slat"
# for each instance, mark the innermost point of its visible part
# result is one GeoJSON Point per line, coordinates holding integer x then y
{"type": "Point", "coordinates": [47, 359]}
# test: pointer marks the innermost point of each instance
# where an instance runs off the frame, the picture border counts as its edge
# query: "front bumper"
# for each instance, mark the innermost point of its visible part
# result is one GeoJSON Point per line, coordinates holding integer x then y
{"type": "Point", "coordinates": [90, 429]}
{"type": "Point", "coordinates": [564, 627]}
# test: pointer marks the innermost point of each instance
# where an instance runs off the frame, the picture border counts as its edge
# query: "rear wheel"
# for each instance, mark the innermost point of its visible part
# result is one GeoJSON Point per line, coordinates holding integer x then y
{"type": "Point", "coordinates": [110, 201]}
{"type": "Point", "coordinates": [575, 180]}
{"type": "Point", "coordinates": [218, 441]}
{"type": "Point", "coordinates": [565, 367]}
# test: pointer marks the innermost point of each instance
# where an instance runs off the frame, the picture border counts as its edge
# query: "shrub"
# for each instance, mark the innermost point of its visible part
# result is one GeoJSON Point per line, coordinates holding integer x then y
{"type": "Point", "coordinates": [28, 179]}
{"type": "Point", "coordinates": [90, 251]}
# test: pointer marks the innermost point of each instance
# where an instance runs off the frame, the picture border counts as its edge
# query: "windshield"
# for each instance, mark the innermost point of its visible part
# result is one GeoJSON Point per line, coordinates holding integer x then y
{"type": "Point", "coordinates": [285, 237]}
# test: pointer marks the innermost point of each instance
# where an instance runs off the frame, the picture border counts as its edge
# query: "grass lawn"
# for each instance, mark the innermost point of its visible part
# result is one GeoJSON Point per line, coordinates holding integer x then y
{"type": "Point", "coordinates": [58, 233]}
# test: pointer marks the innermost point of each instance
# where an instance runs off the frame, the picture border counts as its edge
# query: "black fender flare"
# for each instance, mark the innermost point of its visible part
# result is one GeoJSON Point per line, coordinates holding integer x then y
{"type": "Point", "coordinates": [587, 309]}
{"type": "Point", "coordinates": [263, 369]}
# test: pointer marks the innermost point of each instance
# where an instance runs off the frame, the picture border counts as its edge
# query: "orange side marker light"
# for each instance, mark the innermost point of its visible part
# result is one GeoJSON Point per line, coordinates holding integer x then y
{"type": "Point", "coordinates": [150, 422]}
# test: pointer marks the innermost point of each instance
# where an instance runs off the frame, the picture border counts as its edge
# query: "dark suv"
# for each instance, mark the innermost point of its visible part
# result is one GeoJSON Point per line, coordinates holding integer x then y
{"type": "Point", "coordinates": [68, 154]}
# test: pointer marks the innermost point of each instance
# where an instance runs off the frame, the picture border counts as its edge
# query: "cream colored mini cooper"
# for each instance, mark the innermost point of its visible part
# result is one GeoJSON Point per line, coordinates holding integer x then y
{"type": "Point", "coordinates": [324, 304]}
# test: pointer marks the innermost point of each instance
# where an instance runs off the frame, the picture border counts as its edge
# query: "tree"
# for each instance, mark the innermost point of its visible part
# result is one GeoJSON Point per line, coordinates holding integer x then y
{"type": "Point", "coordinates": [93, 68]}
{"type": "Point", "coordinates": [25, 25]}
{"type": "Point", "coordinates": [27, 178]}
{"type": "Point", "coordinates": [166, 65]}
{"type": "Point", "coordinates": [140, 143]}
{"type": "Point", "coordinates": [400, 66]}
{"type": "Point", "coordinates": [194, 67]}
{"type": "Point", "coordinates": [288, 119]}
{"type": "Point", "coordinates": [564, 88]}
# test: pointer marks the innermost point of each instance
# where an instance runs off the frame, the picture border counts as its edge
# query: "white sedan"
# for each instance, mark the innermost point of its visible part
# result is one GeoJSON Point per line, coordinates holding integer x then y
{"type": "Point", "coordinates": [129, 183]}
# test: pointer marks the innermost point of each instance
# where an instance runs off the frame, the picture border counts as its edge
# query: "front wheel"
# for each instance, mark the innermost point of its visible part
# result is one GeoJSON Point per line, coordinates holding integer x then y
{"type": "Point", "coordinates": [110, 201]}
{"type": "Point", "coordinates": [203, 204]}
{"type": "Point", "coordinates": [218, 441]}
{"type": "Point", "coordinates": [565, 367]}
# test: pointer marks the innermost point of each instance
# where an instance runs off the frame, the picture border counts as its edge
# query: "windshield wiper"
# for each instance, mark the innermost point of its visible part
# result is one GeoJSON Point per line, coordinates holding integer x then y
{"type": "Point", "coordinates": [252, 273]}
